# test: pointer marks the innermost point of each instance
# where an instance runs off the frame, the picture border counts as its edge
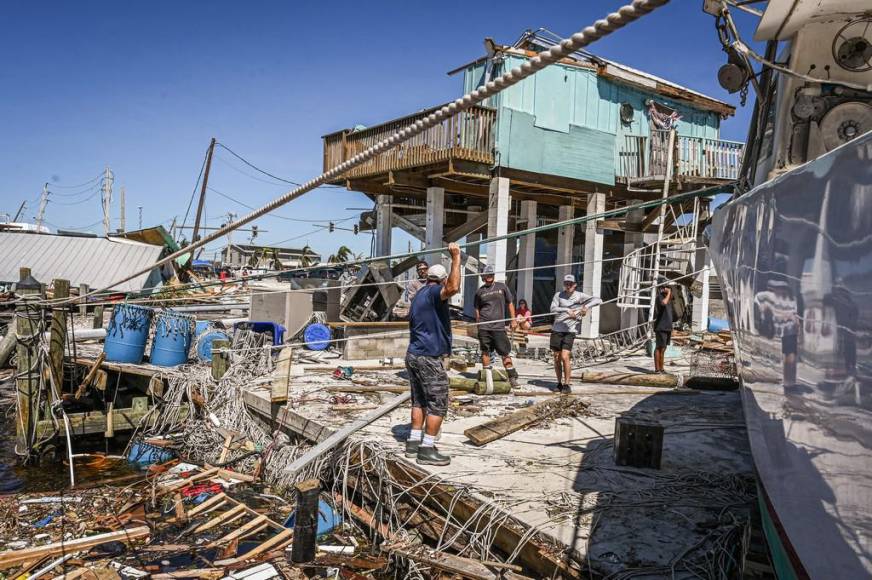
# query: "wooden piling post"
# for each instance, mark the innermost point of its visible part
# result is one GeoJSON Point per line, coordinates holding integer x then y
{"type": "Point", "coordinates": [306, 522]}
{"type": "Point", "coordinates": [220, 358]}
{"type": "Point", "coordinates": [83, 307]}
{"type": "Point", "coordinates": [98, 317]}
{"type": "Point", "coordinates": [58, 338]}
{"type": "Point", "coordinates": [28, 320]}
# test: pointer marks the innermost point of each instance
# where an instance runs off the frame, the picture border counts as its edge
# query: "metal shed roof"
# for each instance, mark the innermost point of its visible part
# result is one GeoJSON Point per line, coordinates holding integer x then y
{"type": "Point", "coordinates": [94, 261]}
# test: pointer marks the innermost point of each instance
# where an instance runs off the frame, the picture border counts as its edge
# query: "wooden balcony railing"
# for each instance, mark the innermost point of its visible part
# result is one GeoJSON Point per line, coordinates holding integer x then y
{"type": "Point", "coordinates": [468, 136]}
{"type": "Point", "coordinates": [643, 157]}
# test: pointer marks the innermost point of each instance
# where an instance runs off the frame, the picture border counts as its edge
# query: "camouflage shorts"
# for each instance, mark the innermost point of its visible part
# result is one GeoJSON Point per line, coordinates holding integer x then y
{"type": "Point", "coordinates": [429, 383]}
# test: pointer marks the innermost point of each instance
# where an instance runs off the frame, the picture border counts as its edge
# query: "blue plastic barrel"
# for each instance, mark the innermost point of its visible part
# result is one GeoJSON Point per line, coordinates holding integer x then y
{"type": "Point", "coordinates": [127, 333]}
{"type": "Point", "coordinates": [328, 518]}
{"type": "Point", "coordinates": [142, 453]}
{"type": "Point", "coordinates": [202, 326]}
{"type": "Point", "coordinates": [317, 336]}
{"type": "Point", "coordinates": [204, 344]}
{"type": "Point", "coordinates": [717, 324]}
{"type": "Point", "coordinates": [173, 334]}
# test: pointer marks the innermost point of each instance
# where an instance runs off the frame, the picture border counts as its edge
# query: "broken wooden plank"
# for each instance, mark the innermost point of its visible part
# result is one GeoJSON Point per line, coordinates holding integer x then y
{"type": "Point", "coordinates": [202, 573]}
{"type": "Point", "coordinates": [185, 482]}
{"type": "Point", "coordinates": [92, 372]}
{"type": "Point", "coordinates": [341, 435]}
{"type": "Point", "coordinates": [506, 424]}
{"type": "Point", "coordinates": [278, 541]}
{"type": "Point", "coordinates": [661, 380]}
{"type": "Point", "coordinates": [257, 523]}
{"type": "Point", "coordinates": [230, 515]}
{"type": "Point", "coordinates": [210, 504]}
{"type": "Point", "coordinates": [11, 558]}
{"type": "Point", "coordinates": [465, 567]}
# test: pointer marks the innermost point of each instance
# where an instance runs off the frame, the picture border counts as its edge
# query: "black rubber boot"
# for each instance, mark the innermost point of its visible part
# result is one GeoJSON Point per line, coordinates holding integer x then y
{"type": "Point", "coordinates": [431, 456]}
{"type": "Point", "coordinates": [412, 447]}
{"type": "Point", "coordinates": [565, 389]}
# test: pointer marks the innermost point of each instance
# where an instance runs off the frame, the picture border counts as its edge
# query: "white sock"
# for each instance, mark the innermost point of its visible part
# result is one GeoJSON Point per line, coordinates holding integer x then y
{"type": "Point", "coordinates": [416, 434]}
{"type": "Point", "coordinates": [428, 441]}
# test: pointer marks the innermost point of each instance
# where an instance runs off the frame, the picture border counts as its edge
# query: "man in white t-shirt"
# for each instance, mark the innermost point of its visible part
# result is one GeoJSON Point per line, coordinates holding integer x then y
{"type": "Point", "coordinates": [569, 307]}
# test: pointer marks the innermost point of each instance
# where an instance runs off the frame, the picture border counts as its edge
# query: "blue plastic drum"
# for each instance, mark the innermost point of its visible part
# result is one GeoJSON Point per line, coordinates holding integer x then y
{"type": "Point", "coordinates": [317, 336]}
{"type": "Point", "coordinates": [173, 334]}
{"type": "Point", "coordinates": [127, 333]}
{"type": "Point", "coordinates": [204, 344]}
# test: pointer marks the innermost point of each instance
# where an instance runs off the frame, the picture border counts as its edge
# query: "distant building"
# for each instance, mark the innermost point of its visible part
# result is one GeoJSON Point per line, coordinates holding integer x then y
{"type": "Point", "coordinates": [95, 261]}
{"type": "Point", "coordinates": [245, 255]}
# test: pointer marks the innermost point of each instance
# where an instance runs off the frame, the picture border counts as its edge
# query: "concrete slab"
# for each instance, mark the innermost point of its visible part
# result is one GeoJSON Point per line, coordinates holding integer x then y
{"type": "Point", "coordinates": [560, 476]}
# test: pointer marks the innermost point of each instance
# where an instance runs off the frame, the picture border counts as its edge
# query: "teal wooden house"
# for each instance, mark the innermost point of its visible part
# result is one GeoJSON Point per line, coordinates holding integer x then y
{"type": "Point", "coordinates": [583, 135]}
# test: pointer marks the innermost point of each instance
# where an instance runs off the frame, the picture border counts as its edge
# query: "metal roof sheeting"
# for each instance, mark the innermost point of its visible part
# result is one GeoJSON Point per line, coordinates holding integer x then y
{"type": "Point", "coordinates": [97, 262]}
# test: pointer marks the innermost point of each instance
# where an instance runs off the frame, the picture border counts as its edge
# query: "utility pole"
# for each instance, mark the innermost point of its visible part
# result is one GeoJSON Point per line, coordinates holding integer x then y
{"type": "Point", "coordinates": [231, 217]}
{"type": "Point", "coordinates": [139, 207]}
{"type": "Point", "coordinates": [122, 225]}
{"type": "Point", "coordinates": [202, 199]}
{"type": "Point", "coordinates": [20, 210]}
{"type": "Point", "coordinates": [108, 178]}
{"type": "Point", "coordinates": [43, 201]}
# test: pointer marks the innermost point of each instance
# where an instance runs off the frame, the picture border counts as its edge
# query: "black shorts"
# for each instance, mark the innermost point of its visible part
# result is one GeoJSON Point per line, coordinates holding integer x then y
{"type": "Point", "coordinates": [662, 338]}
{"type": "Point", "coordinates": [562, 340]}
{"type": "Point", "coordinates": [494, 340]}
{"type": "Point", "coordinates": [789, 343]}
{"type": "Point", "coordinates": [429, 383]}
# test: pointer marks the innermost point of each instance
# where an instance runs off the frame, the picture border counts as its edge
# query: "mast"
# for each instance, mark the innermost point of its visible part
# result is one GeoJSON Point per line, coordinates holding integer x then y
{"type": "Point", "coordinates": [202, 200]}
{"type": "Point", "coordinates": [122, 222]}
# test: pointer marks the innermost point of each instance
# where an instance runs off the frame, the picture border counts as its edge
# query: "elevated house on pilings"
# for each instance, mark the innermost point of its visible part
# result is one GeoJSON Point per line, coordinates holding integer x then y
{"type": "Point", "coordinates": [581, 136]}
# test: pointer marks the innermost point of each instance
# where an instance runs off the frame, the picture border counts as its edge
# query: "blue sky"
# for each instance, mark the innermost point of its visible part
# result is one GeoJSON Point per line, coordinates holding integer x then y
{"type": "Point", "coordinates": [143, 86]}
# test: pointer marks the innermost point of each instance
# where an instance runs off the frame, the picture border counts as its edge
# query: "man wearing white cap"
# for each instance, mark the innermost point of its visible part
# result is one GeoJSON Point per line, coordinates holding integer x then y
{"type": "Point", "coordinates": [568, 306]}
{"type": "Point", "coordinates": [491, 301]}
{"type": "Point", "coordinates": [429, 341]}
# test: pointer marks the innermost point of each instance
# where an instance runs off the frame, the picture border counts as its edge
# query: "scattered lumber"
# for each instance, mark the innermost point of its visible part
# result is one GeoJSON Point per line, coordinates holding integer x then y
{"type": "Point", "coordinates": [507, 424]}
{"type": "Point", "coordinates": [465, 567]}
{"type": "Point", "coordinates": [662, 380]}
{"type": "Point", "coordinates": [366, 389]}
{"type": "Point", "coordinates": [11, 558]}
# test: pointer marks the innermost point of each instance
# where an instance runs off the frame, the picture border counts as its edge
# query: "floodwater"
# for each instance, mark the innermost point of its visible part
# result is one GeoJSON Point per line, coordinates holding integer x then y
{"type": "Point", "coordinates": [53, 473]}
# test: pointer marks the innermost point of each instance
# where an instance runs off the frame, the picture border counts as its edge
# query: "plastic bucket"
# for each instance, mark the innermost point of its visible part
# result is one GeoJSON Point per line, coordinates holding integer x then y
{"type": "Point", "coordinates": [127, 333]}
{"type": "Point", "coordinates": [173, 334]}
{"type": "Point", "coordinates": [317, 336]}
{"type": "Point", "coordinates": [204, 344]}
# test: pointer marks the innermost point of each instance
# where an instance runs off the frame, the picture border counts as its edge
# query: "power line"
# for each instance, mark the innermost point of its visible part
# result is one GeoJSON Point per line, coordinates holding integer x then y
{"type": "Point", "coordinates": [256, 168]}
{"type": "Point", "coordinates": [79, 185]}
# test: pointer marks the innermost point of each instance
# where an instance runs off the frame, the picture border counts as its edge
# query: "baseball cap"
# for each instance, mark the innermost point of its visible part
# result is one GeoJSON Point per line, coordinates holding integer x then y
{"type": "Point", "coordinates": [488, 271]}
{"type": "Point", "coordinates": [569, 278]}
{"type": "Point", "coordinates": [437, 272]}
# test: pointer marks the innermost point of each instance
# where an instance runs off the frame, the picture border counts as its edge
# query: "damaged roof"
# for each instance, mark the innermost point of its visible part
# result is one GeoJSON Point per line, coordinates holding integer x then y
{"type": "Point", "coordinates": [533, 42]}
{"type": "Point", "coordinates": [97, 262]}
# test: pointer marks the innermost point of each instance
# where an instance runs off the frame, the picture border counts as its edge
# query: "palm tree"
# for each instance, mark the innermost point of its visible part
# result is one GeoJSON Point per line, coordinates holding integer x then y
{"type": "Point", "coordinates": [306, 257]}
{"type": "Point", "coordinates": [341, 256]}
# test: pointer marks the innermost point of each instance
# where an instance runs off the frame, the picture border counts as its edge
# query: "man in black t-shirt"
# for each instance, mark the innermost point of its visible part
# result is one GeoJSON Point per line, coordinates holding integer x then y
{"type": "Point", "coordinates": [491, 301]}
{"type": "Point", "coordinates": [662, 325]}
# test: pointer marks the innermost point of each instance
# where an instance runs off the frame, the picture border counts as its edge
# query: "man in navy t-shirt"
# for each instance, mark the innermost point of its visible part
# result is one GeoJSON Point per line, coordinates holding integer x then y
{"type": "Point", "coordinates": [429, 341]}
